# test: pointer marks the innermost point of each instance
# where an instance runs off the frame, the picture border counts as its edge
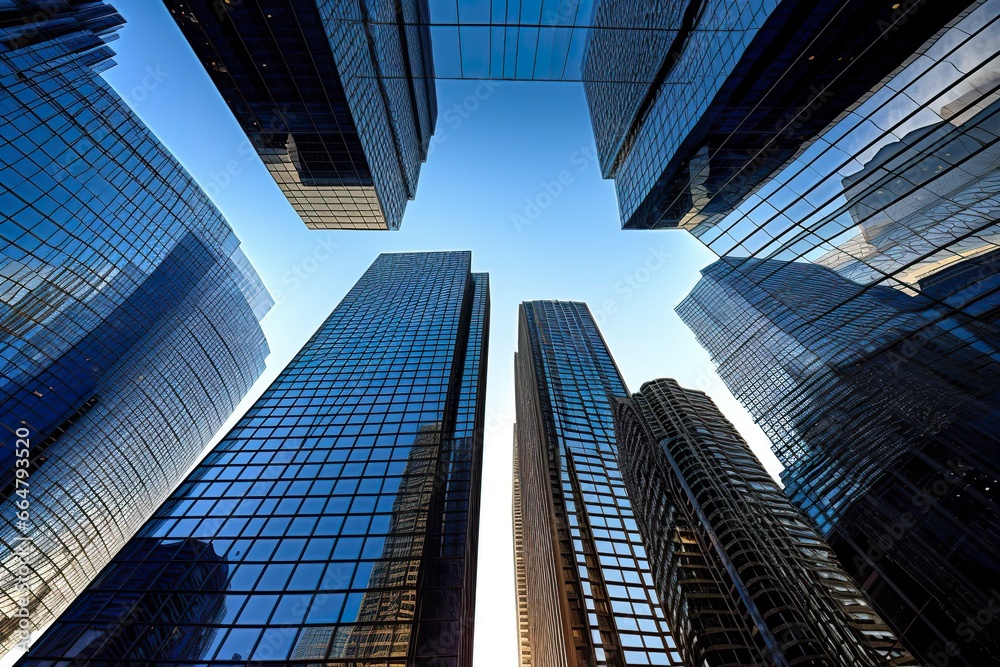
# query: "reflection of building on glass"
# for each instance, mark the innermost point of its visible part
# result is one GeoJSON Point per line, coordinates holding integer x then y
{"type": "Point", "coordinates": [744, 579]}
{"type": "Point", "coordinates": [337, 97]}
{"type": "Point", "coordinates": [588, 591]}
{"type": "Point", "coordinates": [393, 580]}
{"type": "Point", "coordinates": [345, 500]}
{"type": "Point", "coordinates": [700, 106]}
{"type": "Point", "coordinates": [870, 396]}
{"type": "Point", "coordinates": [926, 201]}
{"type": "Point", "coordinates": [179, 586]}
{"type": "Point", "coordinates": [129, 316]}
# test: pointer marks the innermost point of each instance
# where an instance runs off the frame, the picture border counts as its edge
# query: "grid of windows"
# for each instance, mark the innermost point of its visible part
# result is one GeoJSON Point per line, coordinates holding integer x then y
{"type": "Point", "coordinates": [339, 514]}
{"type": "Point", "coordinates": [871, 390]}
{"type": "Point", "coordinates": [738, 90]}
{"type": "Point", "coordinates": [869, 396]}
{"type": "Point", "coordinates": [744, 579]}
{"type": "Point", "coordinates": [336, 96]}
{"type": "Point", "coordinates": [594, 576]}
{"type": "Point", "coordinates": [129, 315]}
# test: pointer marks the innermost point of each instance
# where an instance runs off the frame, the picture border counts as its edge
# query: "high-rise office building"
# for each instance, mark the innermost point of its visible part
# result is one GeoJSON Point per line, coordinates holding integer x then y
{"type": "Point", "coordinates": [885, 410]}
{"type": "Point", "coordinates": [582, 571]}
{"type": "Point", "coordinates": [696, 104]}
{"type": "Point", "coordinates": [744, 579]}
{"type": "Point", "coordinates": [342, 509]}
{"type": "Point", "coordinates": [129, 316]}
{"type": "Point", "coordinates": [336, 96]}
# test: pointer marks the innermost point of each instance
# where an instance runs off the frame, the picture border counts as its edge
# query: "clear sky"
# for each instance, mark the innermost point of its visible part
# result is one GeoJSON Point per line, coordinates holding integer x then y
{"type": "Point", "coordinates": [491, 185]}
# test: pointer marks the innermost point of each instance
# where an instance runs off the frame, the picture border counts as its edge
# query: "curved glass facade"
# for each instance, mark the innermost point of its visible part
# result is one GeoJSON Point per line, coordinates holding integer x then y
{"type": "Point", "coordinates": [337, 522]}
{"type": "Point", "coordinates": [129, 317]}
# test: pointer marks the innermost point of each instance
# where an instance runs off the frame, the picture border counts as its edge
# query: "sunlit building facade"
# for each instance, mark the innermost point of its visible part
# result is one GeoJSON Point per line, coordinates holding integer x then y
{"type": "Point", "coordinates": [129, 316]}
{"type": "Point", "coordinates": [337, 97]}
{"type": "Point", "coordinates": [871, 399]}
{"type": "Point", "coordinates": [581, 567]}
{"type": "Point", "coordinates": [341, 510]}
{"type": "Point", "coordinates": [744, 578]}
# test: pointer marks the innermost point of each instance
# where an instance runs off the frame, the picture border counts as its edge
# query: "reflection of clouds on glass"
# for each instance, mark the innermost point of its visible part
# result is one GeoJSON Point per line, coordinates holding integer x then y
{"type": "Point", "coordinates": [925, 202]}
{"type": "Point", "coordinates": [801, 207]}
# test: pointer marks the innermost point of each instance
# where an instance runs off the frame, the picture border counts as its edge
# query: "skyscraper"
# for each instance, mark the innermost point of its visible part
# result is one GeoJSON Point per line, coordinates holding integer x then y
{"type": "Point", "coordinates": [589, 597]}
{"type": "Point", "coordinates": [885, 410]}
{"type": "Point", "coordinates": [697, 105]}
{"type": "Point", "coordinates": [129, 316]}
{"type": "Point", "coordinates": [336, 96]}
{"type": "Point", "coordinates": [343, 506]}
{"type": "Point", "coordinates": [745, 580]}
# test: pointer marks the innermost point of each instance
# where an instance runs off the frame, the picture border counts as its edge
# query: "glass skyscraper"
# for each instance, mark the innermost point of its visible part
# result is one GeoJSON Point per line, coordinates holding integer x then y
{"type": "Point", "coordinates": [337, 522]}
{"type": "Point", "coordinates": [745, 580]}
{"type": "Point", "coordinates": [885, 410]}
{"type": "Point", "coordinates": [586, 592]}
{"type": "Point", "coordinates": [336, 96]}
{"type": "Point", "coordinates": [129, 316]}
{"type": "Point", "coordinates": [873, 370]}
{"type": "Point", "coordinates": [696, 104]}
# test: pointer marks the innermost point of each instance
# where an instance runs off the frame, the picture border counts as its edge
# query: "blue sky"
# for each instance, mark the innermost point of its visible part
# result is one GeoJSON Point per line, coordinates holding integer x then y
{"type": "Point", "coordinates": [511, 177]}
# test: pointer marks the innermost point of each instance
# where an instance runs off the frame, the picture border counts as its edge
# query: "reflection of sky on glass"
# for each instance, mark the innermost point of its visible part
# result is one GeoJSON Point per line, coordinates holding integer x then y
{"type": "Point", "coordinates": [489, 158]}
{"type": "Point", "coordinates": [519, 39]}
{"type": "Point", "coordinates": [804, 205]}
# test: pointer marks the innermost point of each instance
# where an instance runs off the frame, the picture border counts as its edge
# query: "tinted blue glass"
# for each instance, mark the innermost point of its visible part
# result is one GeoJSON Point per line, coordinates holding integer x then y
{"type": "Point", "coordinates": [369, 557]}
{"type": "Point", "coordinates": [129, 314]}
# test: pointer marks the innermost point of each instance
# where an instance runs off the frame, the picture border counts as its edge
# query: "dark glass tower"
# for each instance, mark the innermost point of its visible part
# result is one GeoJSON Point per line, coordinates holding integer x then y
{"type": "Point", "coordinates": [582, 571]}
{"type": "Point", "coordinates": [744, 579]}
{"type": "Point", "coordinates": [341, 511]}
{"type": "Point", "coordinates": [336, 96]}
{"type": "Point", "coordinates": [885, 410]}
{"type": "Point", "coordinates": [700, 102]}
{"type": "Point", "coordinates": [129, 316]}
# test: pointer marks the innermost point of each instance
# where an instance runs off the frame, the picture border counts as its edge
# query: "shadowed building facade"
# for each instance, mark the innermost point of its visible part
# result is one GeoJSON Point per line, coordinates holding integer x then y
{"type": "Point", "coordinates": [344, 504]}
{"type": "Point", "coordinates": [585, 589]}
{"type": "Point", "coordinates": [336, 96]}
{"type": "Point", "coordinates": [744, 578]}
{"type": "Point", "coordinates": [129, 316]}
{"type": "Point", "coordinates": [885, 410]}
{"type": "Point", "coordinates": [702, 101]}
